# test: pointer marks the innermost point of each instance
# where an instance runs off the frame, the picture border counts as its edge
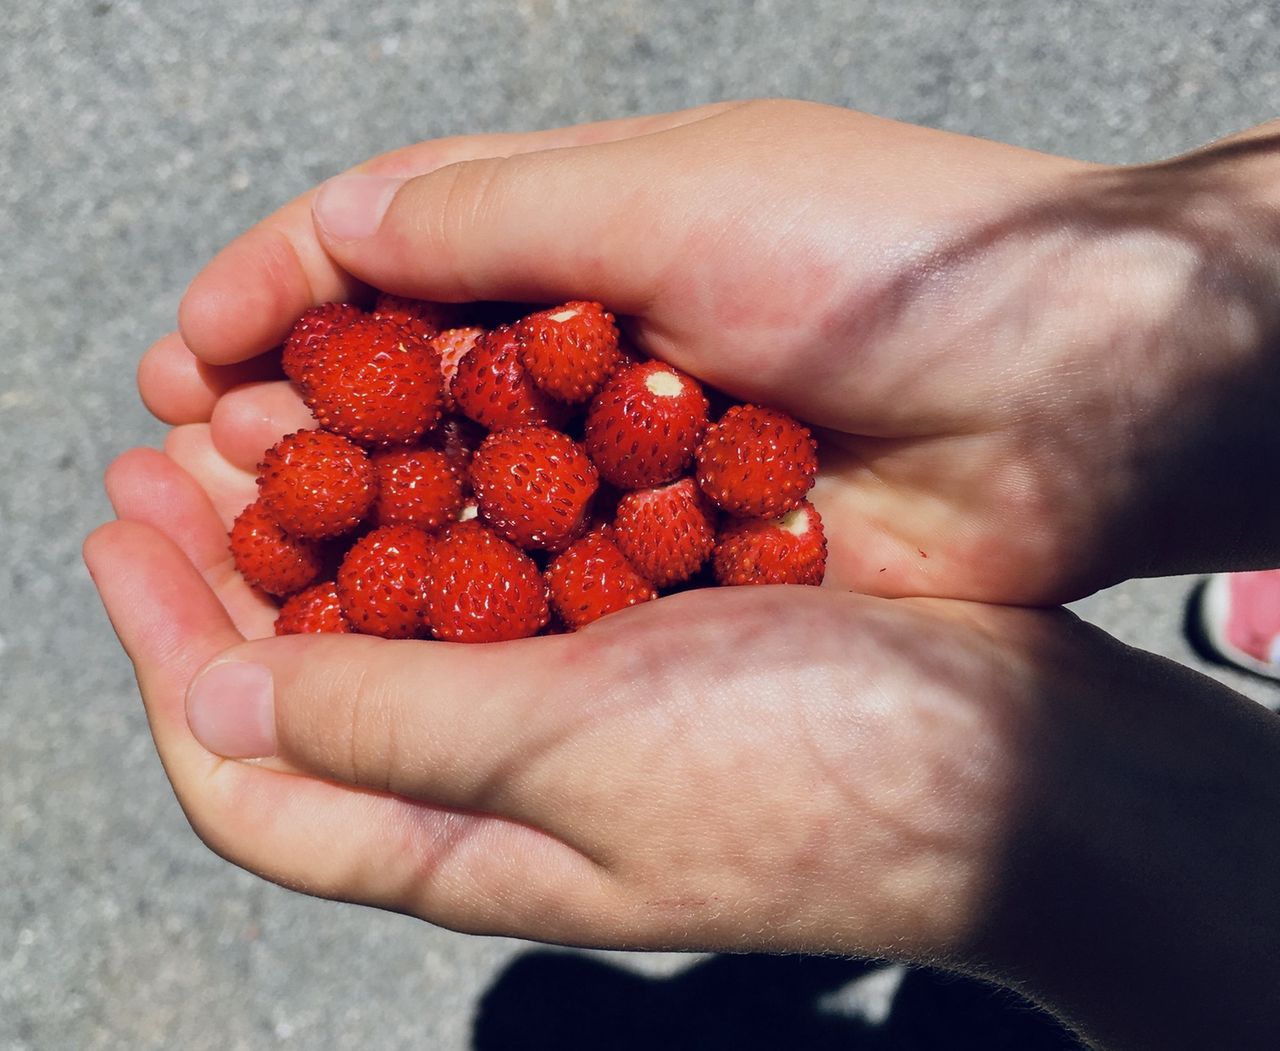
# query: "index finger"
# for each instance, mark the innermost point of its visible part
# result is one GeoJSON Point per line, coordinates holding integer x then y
{"type": "Point", "coordinates": [249, 295]}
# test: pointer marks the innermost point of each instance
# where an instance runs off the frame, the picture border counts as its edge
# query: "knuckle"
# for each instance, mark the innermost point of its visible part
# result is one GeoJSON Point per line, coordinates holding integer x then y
{"type": "Point", "coordinates": [365, 751]}
{"type": "Point", "coordinates": [472, 197]}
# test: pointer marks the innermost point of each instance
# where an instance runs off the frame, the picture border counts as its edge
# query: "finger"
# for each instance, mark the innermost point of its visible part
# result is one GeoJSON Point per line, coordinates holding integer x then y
{"type": "Point", "coordinates": [177, 387]}
{"type": "Point", "coordinates": [167, 616]}
{"type": "Point", "coordinates": [535, 227]}
{"type": "Point", "coordinates": [147, 487]}
{"type": "Point", "coordinates": [467, 871]}
{"type": "Point", "coordinates": [229, 489]}
{"type": "Point", "coordinates": [248, 296]}
{"type": "Point", "coordinates": [251, 419]}
{"type": "Point", "coordinates": [447, 723]}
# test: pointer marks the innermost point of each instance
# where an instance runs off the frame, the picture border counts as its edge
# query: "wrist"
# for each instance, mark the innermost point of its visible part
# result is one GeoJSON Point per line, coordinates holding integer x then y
{"type": "Point", "coordinates": [1186, 263]}
{"type": "Point", "coordinates": [1140, 904]}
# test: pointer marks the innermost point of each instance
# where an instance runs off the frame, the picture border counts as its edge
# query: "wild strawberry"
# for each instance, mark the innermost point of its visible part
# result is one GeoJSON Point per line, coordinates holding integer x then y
{"type": "Point", "coordinates": [644, 425]}
{"type": "Point", "coordinates": [452, 345]}
{"type": "Point", "coordinates": [666, 533]}
{"type": "Point", "coordinates": [756, 462]}
{"type": "Point", "coordinates": [374, 383]}
{"type": "Point", "coordinates": [791, 549]}
{"type": "Point", "coordinates": [314, 611]}
{"type": "Point", "coordinates": [310, 331]}
{"type": "Point", "coordinates": [591, 579]}
{"type": "Point", "coordinates": [483, 589]}
{"type": "Point", "coordinates": [419, 487]}
{"type": "Point", "coordinates": [382, 582]}
{"type": "Point", "coordinates": [316, 484]}
{"type": "Point", "coordinates": [268, 557]}
{"type": "Point", "coordinates": [422, 317]}
{"type": "Point", "coordinates": [493, 387]}
{"type": "Point", "coordinates": [569, 350]}
{"type": "Point", "coordinates": [533, 485]}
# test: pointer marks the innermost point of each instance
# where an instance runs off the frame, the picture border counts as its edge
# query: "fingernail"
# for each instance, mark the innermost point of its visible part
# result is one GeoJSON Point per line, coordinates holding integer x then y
{"type": "Point", "coordinates": [350, 207]}
{"type": "Point", "coordinates": [231, 710]}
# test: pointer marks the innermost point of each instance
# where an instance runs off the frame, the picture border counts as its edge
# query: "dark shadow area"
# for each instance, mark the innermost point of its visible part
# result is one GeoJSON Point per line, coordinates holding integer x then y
{"type": "Point", "coordinates": [553, 999]}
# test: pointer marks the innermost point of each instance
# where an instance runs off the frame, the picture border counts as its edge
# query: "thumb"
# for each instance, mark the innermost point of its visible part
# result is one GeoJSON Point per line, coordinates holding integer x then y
{"type": "Point", "coordinates": [436, 722]}
{"type": "Point", "coordinates": [592, 221]}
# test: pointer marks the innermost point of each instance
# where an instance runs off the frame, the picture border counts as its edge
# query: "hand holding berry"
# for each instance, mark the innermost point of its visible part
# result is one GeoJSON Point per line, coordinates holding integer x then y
{"type": "Point", "coordinates": [783, 769]}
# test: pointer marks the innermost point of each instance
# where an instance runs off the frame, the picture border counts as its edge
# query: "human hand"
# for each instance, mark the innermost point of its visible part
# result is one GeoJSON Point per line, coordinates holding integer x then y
{"type": "Point", "coordinates": [893, 491]}
{"type": "Point", "coordinates": [1034, 377]}
{"type": "Point", "coordinates": [786, 769]}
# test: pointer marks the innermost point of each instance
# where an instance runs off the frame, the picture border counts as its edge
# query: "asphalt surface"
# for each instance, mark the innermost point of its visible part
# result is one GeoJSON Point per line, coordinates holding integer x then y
{"type": "Point", "coordinates": [135, 140]}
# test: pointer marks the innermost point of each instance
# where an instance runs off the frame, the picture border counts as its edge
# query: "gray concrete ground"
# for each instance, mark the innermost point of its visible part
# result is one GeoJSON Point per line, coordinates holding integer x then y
{"type": "Point", "coordinates": [138, 137]}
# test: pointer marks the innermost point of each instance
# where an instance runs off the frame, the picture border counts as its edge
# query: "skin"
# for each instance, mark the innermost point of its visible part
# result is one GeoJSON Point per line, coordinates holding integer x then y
{"type": "Point", "coordinates": [1032, 377]}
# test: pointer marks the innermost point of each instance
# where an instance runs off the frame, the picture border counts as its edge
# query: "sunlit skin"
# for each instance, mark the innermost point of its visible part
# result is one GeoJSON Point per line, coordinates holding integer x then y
{"type": "Point", "coordinates": [1011, 359]}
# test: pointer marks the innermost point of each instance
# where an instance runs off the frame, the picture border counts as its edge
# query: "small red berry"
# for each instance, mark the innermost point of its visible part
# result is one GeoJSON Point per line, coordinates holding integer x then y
{"type": "Point", "coordinates": [316, 484]}
{"type": "Point", "coordinates": [756, 462]}
{"type": "Point", "coordinates": [492, 386]}
{"type": "Point", "coordinates": [569, 350]}
{"type": "Point", "coordinates": [421, 316]}
{"type": "Point", "coordinates": [315, 611]}
{"type": "Point", "coordinates": [592, 579]}
{"type": "Point", "coordinates": [375, 383]}
{"type": "Point", "coordinates": [419, 487]}
{"type": "Point", "coordinates": [310, 332]}
{"type": "Point", "coordinates": [268, 557]}
{"type": "Point", "coordinates": [667, 533]}
{"type": "Point", "coordinates": [452, 345]}
{"type": "Point", "coordinates": [483, 589]}
{"type": "Point", "coordinates": [382, 582]}
{"type": "Point", "coordinates": [644, 425]}
{"type": "Point", "coordinates": [790, 549]}
{"type": "Point", "coordinates": [533, 485]}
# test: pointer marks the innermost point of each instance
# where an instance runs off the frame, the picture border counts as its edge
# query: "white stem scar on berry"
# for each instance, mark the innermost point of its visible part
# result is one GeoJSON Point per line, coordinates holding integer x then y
{"type": "Point", "coordinates": [664, 384]}
{"type": "Point", "coordinates": [795, 522]}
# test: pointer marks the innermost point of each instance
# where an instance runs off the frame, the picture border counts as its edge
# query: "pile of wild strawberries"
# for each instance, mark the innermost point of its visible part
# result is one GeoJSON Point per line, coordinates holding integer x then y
{"type": "Point", "coordinates": [484, 482]}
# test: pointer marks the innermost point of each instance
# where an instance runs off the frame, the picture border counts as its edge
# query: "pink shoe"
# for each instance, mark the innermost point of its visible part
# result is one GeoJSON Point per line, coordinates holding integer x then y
{"type": "Point", "coordinates": [1239, 620]}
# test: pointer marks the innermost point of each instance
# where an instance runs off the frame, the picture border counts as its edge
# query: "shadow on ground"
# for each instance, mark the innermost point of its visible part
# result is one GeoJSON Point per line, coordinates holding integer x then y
{"type": "Point", "coordinates": [549, 999]}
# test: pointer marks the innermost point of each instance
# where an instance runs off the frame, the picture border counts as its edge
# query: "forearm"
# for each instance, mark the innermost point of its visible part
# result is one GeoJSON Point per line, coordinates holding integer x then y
{"type": "Point", "coordinates": [1150, 918]}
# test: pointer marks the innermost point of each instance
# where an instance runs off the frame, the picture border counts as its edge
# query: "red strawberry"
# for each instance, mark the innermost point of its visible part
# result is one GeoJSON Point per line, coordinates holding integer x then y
{"type": "Point", "coordinates": [316, 484]}
{"type": "Point", "coordinates": [791, 549]}
{"type": "Point", "coordinates": [375, 383]}
{"type": "Point", "coordinates": [483, 589]}
{"type": "Point", "coordinates": [493, 388]}
{"type": "Point", "coordinates": [419, 487]}
{"type": "Point", "coordinates": [421, 316]}
{"type": "Point", "coordinates": [312, 612]}
{"type": "Point", "coordinates": [268, 557]}
{"type": "Point", "coordinates": [452, 345]}
{"type": "Point", "coordinates": [593, 578]}
{"type": "Point", "coordinates": [382, 582]}
{"type": "Point", "coordinates": [569, 350]}
{"type": "Point", "coordinates": [757, 462]}
{"type": "Point", "coordinates": [310, 332]}
{"type": "Point", "coordinates": [533, 485]}
{"type": "Point", "coordinates": [644, 425]}
{"type": "Point", "coordinates": [666, 533]}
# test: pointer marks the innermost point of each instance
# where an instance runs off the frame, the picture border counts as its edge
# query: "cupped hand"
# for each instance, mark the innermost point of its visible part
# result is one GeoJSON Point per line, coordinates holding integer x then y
{"type": "Point", "coordinates": [1032, 376]}
{"type": "Point", "coordinates": [991, 342]}
{"type": "Point", "coordinates": [782, 769]}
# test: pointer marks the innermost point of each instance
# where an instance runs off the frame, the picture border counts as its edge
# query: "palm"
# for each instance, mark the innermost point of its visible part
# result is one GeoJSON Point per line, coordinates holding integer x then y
{"type": "Point", "coordinates": [731, 725]}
